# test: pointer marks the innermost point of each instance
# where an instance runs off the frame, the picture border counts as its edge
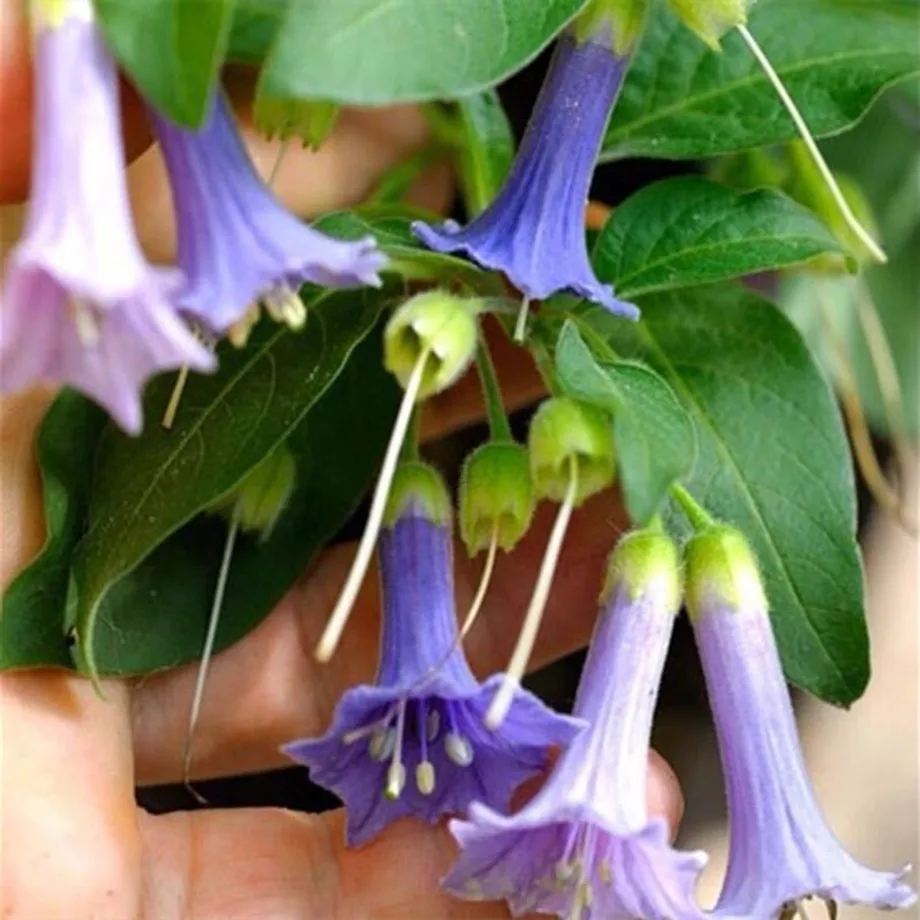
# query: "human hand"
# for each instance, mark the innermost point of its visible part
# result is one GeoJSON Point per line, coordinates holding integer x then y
{"type": "Point", "coordinates": [74, 844]}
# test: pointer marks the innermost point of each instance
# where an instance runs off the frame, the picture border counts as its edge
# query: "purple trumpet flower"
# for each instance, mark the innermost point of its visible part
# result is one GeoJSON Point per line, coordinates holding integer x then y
{"type": "Point", "coordinates": [534, 231]}
{"type": "Point", "coordinates": [426, 709]}
{"type": "Point", "coordinates": [80, 303]}
{"type": "Point", "coordinates": [236, 243]}
{"type": "Point", "coordinates": [781, 848]}
{"type": "Point", "coordinates": [585, 846]}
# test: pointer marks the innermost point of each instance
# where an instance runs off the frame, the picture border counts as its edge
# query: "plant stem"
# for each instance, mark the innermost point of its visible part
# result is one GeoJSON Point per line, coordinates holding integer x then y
{"type": "Point", "coordinates": [491, 393]}
{"type": "Point", "coordinates": [698, 516]}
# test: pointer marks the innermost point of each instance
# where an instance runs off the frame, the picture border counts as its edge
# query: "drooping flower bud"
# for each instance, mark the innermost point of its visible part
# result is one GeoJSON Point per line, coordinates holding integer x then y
{"type": "Point", "coordinates": [711, 19]}
{"type": "Point", "coordinates": [497, 498]}
{"type": "Point", "coordinates": [80, 304]}
{"type": "Point", "coordinates": [565, 431]}
{"type": "Point", "coordinates": [534, 231]}
{"type": "Point", "coordinates": [585, 846]}
{"type": "Point", "coordinates": [436, 324]}
{"type": "Point", "coordinates": [236, 243]}
{"type": "Point", "coordinates": [413, 744]}
{"type": "Point", "coordinates": [311, 120]}
{"type": "Point", "coordinates": [781, 848]}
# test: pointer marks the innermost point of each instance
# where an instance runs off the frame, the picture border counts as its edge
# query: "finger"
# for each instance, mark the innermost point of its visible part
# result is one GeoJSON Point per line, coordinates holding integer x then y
{"type": "Point", "coordinates": [268, 689]}
{"type": "Point", "coordinates": [254, 863]}
{"type": "Point", "coordinates": [68, 832]}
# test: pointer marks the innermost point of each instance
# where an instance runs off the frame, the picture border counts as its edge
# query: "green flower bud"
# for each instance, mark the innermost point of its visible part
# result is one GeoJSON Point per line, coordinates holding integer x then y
{"type": "Point", "coordinates": [624, 18]}
{"type": "Point", "coordinates": [260, 499]}
{"type": "Point", "coordinates": [496, 495]}
{"type": "Point", "coordinates": [563, 429]}
{"type": "Point", "coordinates": [440, 323]}
{"type": "Point", "coordinates": [311, 120]}
{"type": "Point", "coordinates": [420, 489]}
{"type": "Point", "coordinates": [711, 19]}
{"type": "Point", "coordinates": [722, 572]}
{"type": "Point", "coordinates": [645, 560]}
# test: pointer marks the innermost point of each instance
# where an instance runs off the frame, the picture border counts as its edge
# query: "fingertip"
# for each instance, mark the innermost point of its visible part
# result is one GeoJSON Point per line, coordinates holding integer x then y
{"type": "Point", "coordinates": [665, 798]}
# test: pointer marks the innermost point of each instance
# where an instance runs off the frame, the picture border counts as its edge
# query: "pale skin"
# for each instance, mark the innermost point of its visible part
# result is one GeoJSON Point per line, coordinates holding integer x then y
{"type": "Point", "coordinates": [74, 845]}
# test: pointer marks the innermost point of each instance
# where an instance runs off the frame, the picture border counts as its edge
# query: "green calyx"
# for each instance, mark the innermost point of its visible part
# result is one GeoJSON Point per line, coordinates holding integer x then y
{"type": "Point", "coordinates": [436, 323]}
{"type": "Point", "coordinates": [625, 20]}
{"type": "Point", "coordinates": [646, 560]}
{"type": "Point", "coordinates": [311, 120]}
{"type": "Point", "coordinates": [711, 19]}
{"type": "Point", "coordinates": [260, 499]}
{"type": "Point", "coordinates": [496, 496]}
{"type": "Point", "coordinates": [721, 570]}
{"type": "Point", "coordinates": [418, 489]}
{"type": "Point", "coordinates": [564, 432]}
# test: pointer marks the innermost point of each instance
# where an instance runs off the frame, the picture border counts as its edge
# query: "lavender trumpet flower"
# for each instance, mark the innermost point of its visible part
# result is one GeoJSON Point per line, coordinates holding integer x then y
{"type": "Point", "coordinates": [585, 847]}
{"type": "Point", "coordinates": [236, 243]}
{"type": "Point", "coordinates": [425, 710]}
{"type": "Point", "coordinates": [534, 231]}
{"type": "Point", "coordinates": [80, 304]}
{"type": "Point", "coordinates": [781, 848]}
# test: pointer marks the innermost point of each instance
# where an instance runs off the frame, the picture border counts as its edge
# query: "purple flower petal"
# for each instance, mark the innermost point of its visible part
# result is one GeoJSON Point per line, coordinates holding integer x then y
{"type": "Point", "coordinates": [236, 242]}
{"type": "Point", "coordinates": [534, 231]}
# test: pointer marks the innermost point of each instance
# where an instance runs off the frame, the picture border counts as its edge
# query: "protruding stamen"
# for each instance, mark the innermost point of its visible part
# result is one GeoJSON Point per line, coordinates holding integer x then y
{"type": "Point", "coordinates": [238, 334]}
{"type": "Point", "coordinates": [424, 777]}
{"type": "Point", "coordinates": [382, 744]}
{"type": "Point", "coordinates": [339, 617]}
{"type": "Point", "coordinates": [172, 407]}
{"type": "Point", "coordinates": [459, 749]}
{"type": "Point", "coordinates": [86, 322]}
{"type": "Point", "coordinates": [285, 306]}
{"type": "Point", "coordinates": [522, 651]}
{"type": "Point", "coordinates": [804, 132]}
{"type": "Point", "coordinates": [396, 780]}
{"type": "Point", "coordinates": [365, 730]}
{"type": "Point", "coordinates": [520, 327]}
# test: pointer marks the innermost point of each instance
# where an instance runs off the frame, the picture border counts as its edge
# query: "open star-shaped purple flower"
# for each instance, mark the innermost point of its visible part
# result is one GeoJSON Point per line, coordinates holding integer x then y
{"type": "Point", "coordinates": [414, 743]}
{"type": "Point", "coordinates": [80, 304]}
{"type": "Point", "coordinates": [534, 231]}
{"type": "Point", "coordinates": [781, 848]}
{"type": "Point", "coordinates": [236, 243]}
{"type": "Point", "coordinates": [585, 846]}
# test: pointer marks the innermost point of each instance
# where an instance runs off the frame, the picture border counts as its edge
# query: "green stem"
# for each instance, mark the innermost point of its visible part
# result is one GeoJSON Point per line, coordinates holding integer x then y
{"type": "Point", "coordinates": [409, 452]}
{"type": "Point", "coordinates": [695, 513]}
{"type": "Point", "coordinates": [491, 393]}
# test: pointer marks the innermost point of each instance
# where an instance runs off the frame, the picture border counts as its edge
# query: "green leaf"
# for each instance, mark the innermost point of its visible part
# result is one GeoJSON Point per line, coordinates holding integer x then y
{"type": "Point", "coordinates": [383, 51]}
{"type": "Point", "coordinates": [254, 28]}
{"type": "Point", "coordinates": [171, 49]}
{"type": "Point", "coordinates": [682, 100]}
{"type": "Point", "coordinates": [773, 460]}
{"type": "Point", "coordinates": [687, 231]}
{"type": "Point", "coordinates": [32, 632]}
{"type": "Point", "coordinates": [487, 149]}
{"type": "Point", "coordinates": [654, 437]}
{"type": "Point", "coordinates": [156, 616]}
{"type": "Point", "coordinates": [145, 488]}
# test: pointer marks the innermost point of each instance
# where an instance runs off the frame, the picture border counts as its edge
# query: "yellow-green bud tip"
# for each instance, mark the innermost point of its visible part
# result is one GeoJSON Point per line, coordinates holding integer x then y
{"type": "Point", "coordinates": [711, 19]}
{"type": "Point", "coordinates": [618, 21]}
{"type": "Point", "coordinates": [722, 571]}
{"type": "Point", "coordinates": [436, 322]}
{"type": "Point", "coordinates": [564, 429]}
{"type": "Point", "coordinates": [311, 120]}
{"type": "Point", "coordinates": [645, 560]}
{"type": "Point", "coordinates": [418, 489]}
{"type": "Point", "coordinates": [496, 496]}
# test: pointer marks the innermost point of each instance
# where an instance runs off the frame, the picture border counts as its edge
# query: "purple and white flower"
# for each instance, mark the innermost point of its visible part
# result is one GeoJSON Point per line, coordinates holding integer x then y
{"type": "Point", "coordinates": [534, 231]}
{"type": "Point", "coordinates": [236, 243]}
{"type": "Point", "coordinates": [80, 304]}
{"type": "Point", "coordinates": [585, 847]}
{"type": "Point", "coordinates": [414, 744]}
{"type": "Point", "coordinates": [781, 848]}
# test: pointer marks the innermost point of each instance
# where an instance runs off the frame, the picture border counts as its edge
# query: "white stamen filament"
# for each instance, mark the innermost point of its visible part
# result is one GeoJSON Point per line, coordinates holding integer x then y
{"type": "Point", "coordinates": [172, 407]}
{"type": "Point", "coordinates": [396, 775]}
{"type": "Point", "coordinates": [382, 744]}
{"type": "Point", "coordinates": [804, 132]}
{"type": "Point", "coordinates": [434, 724]}
{"type": "Point", "coordinates": [425, 777]}
{"type": "Point", "coordinates": [86, 322]}
{"type": "Point", "coordinates": [358, 733]}
{"type": "Point", "coordinates": [503, 699]}
{"type": "Point", "coordinates": [339, 617]}
{"type": "Point", "coordinates": [206, 654]}
{"type": "Point", "coordinates": [285, 306]}
{"type": "Point", "coordinates": [520, 326]}
{"type": "Point", "coordinates": [458, 748]}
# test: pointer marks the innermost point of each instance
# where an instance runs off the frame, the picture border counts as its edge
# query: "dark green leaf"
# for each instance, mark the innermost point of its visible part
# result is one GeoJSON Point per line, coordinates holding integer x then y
{"type": "Point", "coordinates": [682, 100]}
{"type": "Point", "coordinates": [654, 437]}
{"type": "Point", "coordinates": [687, 231]}
{"type": "Point", "coordinates": [145, 488]}
{"type": "Point", "coordinates": [172, 49]}
{"type": "Point", "coordinates": [773, 460]}
{"type": "Point", "coordinates": [379, 51]}
{"type": "Point", "coordinates": [32, 632]}
{"type": "Point", "coordinates": [156, 616]}
{"type": "Point", "coordinates": [487, 149]}
{"type": "Point", "coordinates": [254, 28]}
